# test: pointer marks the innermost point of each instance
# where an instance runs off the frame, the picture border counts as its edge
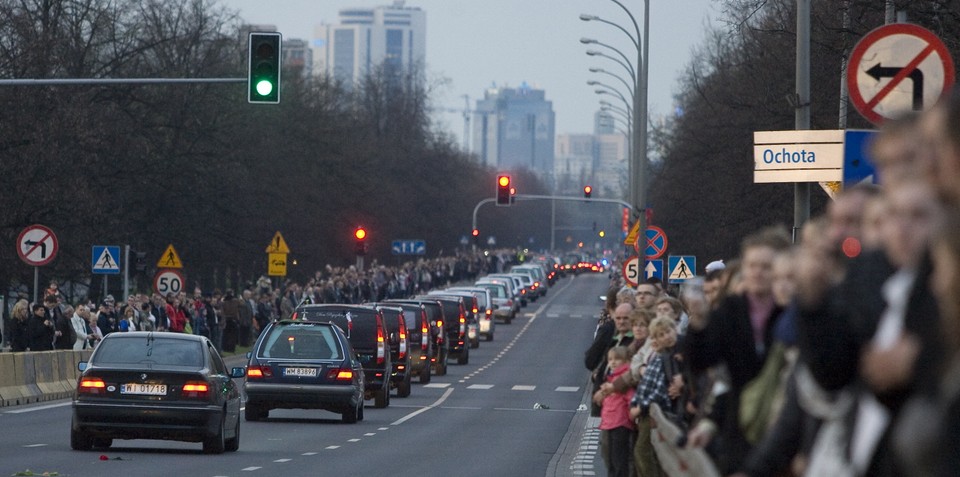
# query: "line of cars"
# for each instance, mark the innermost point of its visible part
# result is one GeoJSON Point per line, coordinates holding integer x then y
{"type": "Point", "coordinates": [147, 385]}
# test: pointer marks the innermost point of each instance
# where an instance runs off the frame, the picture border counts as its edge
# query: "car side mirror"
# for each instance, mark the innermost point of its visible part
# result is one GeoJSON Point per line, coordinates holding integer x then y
{"type": "Point", "coordinates": [82, 365]}
{"type": "Point", "coordinates": [238, 372]}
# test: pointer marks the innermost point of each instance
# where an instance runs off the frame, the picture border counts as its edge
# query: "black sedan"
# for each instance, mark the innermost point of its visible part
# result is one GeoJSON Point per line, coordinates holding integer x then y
{"type": "Point", "coordinates": [304, 365]}
{"type": "Point", "coordinates": [147, 385]}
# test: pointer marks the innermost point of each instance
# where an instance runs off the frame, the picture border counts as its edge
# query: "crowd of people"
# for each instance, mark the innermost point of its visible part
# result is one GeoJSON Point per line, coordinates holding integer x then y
{"type": "Point", "coordinates": [228, 318]}
{"type": "Point", "coordinates": [835, 354]}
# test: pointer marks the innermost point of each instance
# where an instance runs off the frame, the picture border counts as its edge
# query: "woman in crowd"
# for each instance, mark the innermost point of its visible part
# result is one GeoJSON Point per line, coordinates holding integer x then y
{"type": "Point", "coordinates": [19, 317]}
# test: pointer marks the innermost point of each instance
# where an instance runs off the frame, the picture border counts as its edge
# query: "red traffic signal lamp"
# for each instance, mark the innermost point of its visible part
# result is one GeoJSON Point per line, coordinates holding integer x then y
{"type": "Point", "coordinates": [361, 243]}
{"type": "Point", "coordinates": [476, 236]}
{"type": "Point", "coordinates": [587, 190]}
{"type": "Point", "coordinates": [503, 189]}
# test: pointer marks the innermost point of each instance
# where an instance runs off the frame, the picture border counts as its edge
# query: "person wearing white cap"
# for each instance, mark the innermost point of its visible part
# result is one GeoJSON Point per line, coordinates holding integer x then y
{"type": "Point", "coordinates": [715, 265]}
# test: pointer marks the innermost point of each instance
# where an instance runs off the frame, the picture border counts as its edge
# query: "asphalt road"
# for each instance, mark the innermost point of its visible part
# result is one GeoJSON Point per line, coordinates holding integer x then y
{"type": "Point", "coordinates": [512, 411]}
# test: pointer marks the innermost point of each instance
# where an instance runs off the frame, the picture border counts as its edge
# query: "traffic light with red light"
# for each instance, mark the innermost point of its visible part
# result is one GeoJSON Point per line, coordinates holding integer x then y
{"type": "Point", "coordinates": [361, 243]}
{"type": "Point", "coordinates": [476, 236]}
{"type": "Point", "coordinates": [587, 190]}
{"type": "Point", "coordinates": [503, 189]}
{"type": "Point", "coordinates": [513, 195]}
{"type": "Point", "coordinates": [263, 69]}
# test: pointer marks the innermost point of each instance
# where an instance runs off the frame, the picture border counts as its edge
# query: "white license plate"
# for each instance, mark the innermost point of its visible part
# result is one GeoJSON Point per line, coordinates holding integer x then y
{"type": "Point", "coordinates": [301, 372]}
{"type": "Point", "coordinates": [144, 389]}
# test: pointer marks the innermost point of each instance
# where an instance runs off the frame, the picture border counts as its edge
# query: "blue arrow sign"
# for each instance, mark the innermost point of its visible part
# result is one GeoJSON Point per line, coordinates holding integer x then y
{"type": "Point", "coordinates": [409, 247]}
{"type": "Point", "coordinates": [653, 269]}
{"type": "Point", "coordinates": [106, 259]}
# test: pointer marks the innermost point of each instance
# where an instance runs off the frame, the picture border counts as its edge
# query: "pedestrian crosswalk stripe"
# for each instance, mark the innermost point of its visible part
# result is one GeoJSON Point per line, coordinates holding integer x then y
{"type": "Point", "coordinates": [480, 386]}
{"type": "Point", "coordinates": [523, 388]}
{"type": "Point", "coordinates": [568, 389]}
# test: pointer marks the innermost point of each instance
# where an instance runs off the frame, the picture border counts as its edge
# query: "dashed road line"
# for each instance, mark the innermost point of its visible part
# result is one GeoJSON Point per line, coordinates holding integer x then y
{"type": "Point", "coordinates": [413, 414]}
{"type": "Point", "coordinates": [250, 469]}
{"type": "Point", "coordinates": [332, 447]}
{"type": "Point", "coordinates": [521, 387]}
{"type": "Point", "coordinates": [567, 389]}
{"type": "Point", "coordinates": [280, 461]}
{"type": "Point", "coordinates": [480, 386]}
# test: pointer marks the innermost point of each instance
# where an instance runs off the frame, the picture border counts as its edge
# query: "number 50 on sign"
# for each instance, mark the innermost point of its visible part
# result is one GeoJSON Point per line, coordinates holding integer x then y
{"type": "Point", "coordinates": [168, 282]}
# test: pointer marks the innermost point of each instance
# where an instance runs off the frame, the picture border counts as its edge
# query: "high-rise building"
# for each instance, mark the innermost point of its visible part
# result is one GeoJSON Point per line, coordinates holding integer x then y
{"type": "Point", "coordinates": [598, 159]}
{"type": "Point", "coordinates": [514, 128]}
{"type": "Point", "coordinates": [297, 56]}
{"type": "Point", "coordinates": [366, 38]}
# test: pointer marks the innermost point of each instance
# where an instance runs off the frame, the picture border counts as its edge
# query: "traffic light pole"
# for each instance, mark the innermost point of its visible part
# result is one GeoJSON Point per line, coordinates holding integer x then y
{"type": "Point", "coordinates": [553, 198]}
{"type": "Point", "coordinates": [111, 81]}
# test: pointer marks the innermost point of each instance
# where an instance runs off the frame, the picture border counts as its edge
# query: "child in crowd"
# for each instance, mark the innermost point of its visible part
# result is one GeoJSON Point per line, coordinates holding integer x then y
{"type": "Point", "coordinates": [616, 426]}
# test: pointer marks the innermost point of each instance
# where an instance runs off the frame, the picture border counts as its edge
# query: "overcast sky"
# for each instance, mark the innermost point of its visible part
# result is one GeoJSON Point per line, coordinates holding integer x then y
{"type": "Point", "coordinates": [476, 43]}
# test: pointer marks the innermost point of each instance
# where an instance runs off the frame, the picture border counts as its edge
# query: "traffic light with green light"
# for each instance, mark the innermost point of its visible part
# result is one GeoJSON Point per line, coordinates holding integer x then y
{"type": "Point", "coordinates": [263, 78]}
{"type": "Point", "coordinates": [503, 189]}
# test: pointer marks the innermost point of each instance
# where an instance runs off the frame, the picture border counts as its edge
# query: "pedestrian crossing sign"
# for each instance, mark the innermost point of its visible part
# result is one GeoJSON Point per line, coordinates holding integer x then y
{"type": "Point", "coordinates": [682, 268]}
{"type": "Point", "coordinates": [169, 259]}
{"type": "Point", "coordinates": [106, 259]}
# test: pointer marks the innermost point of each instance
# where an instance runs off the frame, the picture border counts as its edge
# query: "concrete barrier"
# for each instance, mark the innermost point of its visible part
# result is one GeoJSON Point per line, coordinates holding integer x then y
{"type": "Point", "coordinates": [32, 377]}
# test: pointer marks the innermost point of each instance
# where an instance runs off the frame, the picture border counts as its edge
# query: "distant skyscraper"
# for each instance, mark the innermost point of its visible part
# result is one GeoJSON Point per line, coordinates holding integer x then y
{"type": "Point", "coordinates": [514, 128]}
{"type": "Point", "coordinates": [603, 123]}
{"type": "Point", "coordinates": [297, 55]}
{"type": "Point", "coordinates": [598, 159]}
{"type": "Point", "coordinates": [365, 38]}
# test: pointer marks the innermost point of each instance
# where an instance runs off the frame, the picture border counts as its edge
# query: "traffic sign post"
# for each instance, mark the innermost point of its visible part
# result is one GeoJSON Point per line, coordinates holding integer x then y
{"type": "Point", "coordinates": [106, 260]}
{"type": "Point", "coordinates": [168, 282]}
{"type": "Point", "coordinates": [898, 67]}
{"type": "Point", "coordinates": [656, 243]}
{"type": "Point", "coordinates": [631, 271]}
{"type": "Point", "coordinates": [682, 268]}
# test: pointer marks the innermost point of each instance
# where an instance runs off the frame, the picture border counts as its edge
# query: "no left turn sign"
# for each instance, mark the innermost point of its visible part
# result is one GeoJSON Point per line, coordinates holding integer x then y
{"type": "Point", "coordinates": [37, 245]}
{"type": "Point", "coordinates": [896, 68]}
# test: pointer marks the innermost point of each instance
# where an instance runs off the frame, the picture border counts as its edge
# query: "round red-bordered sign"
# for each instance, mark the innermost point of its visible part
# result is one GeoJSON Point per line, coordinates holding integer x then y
{"type": "Point", "coordinates": [896, 68]}
{"type": "Point", "coordinates": [168, 281]}
{"type": "Point", "coordinates": [631, 271]}
{"type": "Point", "coordinates": [37, 245]}
{"type": "Point", "coordinates": [656, 242]}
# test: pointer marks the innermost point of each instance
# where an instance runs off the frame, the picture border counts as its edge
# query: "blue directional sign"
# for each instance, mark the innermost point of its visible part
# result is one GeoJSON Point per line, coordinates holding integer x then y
{"type": "Point", "coordinates": [409, 247]}
{"type": "Point", "coordinates": [653, 269]}
{"type": "Point", "coordinates": [106, 259]}
{"type": "Point", "coordinates": [857, 165]}
{"type": "Point", "coordinates": [681, 268]}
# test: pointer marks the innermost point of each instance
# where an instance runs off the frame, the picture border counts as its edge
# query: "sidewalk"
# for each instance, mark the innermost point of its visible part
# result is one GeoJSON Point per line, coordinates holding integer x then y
{"type": "Point", "coordinates": [579, 451]}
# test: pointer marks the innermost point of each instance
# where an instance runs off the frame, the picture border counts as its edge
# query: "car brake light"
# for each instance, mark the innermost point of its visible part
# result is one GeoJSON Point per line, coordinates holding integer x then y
{"type": "Point", "coordinates": [424, 333]}
{"type": "Point", "coordinates": [91, 386]}
{"type": "Point", "coordinates": [380, 349]}
{"type": "Point", "coordinates": [489, 312]}
{"type": "Point", "coordinates": [340, 374]}
{"type": "Point", "coordinates": [196, 389]}
{"type": "Point", "coordinates": [294, 316]}
{"type": "Point", "coordinates": [475, 310]}
{"type": "Point", "coordinates": [403, 342]}
{"type": "Point", "coordinates": [463, 326]}
{"type": "Point", "coordinates": [259, 372]}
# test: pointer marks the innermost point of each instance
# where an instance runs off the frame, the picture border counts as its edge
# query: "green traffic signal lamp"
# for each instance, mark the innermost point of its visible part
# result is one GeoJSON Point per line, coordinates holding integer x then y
{"type": "Point", "coordinates": [263, 69]}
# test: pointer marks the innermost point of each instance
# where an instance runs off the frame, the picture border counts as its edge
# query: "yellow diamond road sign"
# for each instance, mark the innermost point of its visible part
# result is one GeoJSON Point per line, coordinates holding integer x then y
{"type": "Point", "coordinates": [278, 244]}
{"type": "Point", "coordinates": [169, 259]}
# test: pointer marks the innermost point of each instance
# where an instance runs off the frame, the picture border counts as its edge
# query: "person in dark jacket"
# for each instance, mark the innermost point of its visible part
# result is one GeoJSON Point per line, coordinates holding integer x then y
{"type": "Point", "coordinates": [19, 322]}
{"type": "Point", "coordinates": [40, 329]}
{"type": "Point", "coordinates": [738, 333]}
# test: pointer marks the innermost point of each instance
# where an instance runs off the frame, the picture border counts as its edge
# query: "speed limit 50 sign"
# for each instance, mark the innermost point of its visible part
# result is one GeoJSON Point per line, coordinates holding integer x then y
{"type": "Point", "coordinates": [167, 282]}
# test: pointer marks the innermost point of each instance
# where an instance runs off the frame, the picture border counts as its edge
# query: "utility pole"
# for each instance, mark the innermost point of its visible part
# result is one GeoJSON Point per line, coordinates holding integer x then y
{"type": "Point", "coordinates": [801, 190]}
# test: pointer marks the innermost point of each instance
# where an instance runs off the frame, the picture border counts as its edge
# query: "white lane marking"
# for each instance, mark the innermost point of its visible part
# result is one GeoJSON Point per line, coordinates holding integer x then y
{"type": "Point", "coordinates": [35, 445]}
{"type": "Point", "coordinates": [568, 389]}
{"type": "Point", "coordinates": [369, 434]}
{"type": "Point", "coordinates": [332, 447]}
{"type": "Point", "coordinates": [282, 460]}
{"type": "Point", "coordinates": [383, 428]}
{"type": "Point", "coordinates": [250, 469]}
{"type": "Point", "coordinates": [462, 408]}
{"type": "Point", "coordinates": [353, 440]}
{"type": "Point", "coordinates": [38, 408]}
{"type": "Point", "coordinates": [437, 385]}
{"type": "Point", "coordinates": [309, 453]}
{"type": "Point", "coordinates": [520, 387]}
{"type": "Point", "coordinates": [532, 410]}
{"type": "Point", "coordinates": [480, 386]}
{"type": "Point", "coordinates": [576, 316]}
{"type": "Point", "coordinates": [436, 403]}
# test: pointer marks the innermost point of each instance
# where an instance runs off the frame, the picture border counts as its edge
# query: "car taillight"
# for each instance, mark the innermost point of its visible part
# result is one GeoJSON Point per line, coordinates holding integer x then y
{"type": "Point", "coordinates": [403, 343]}
{"type": "Point", "coordinates": [523, 292]}
{"type": "Point", "coordinates": [196, 389]}
{"type": "Point", "coordinates": [380, 346]}
{"type": "Point", "coordinates": [294, 316]}
{"type": "Point", "coordinates": [259, 372]}
{"type": "Point", "coordinates": [424, 336]}
{"type": "Point", "coordinates": [91, 386]}
{"type": "Point", "coordinates": [340, 374]}
{"type": "Point", "coordinates": [463, 325]}
{"type": "Point", "coordinates": [536, 284]}
{"type": "Point", "coordinates": [510, 303]}
{"type": "Point", "coordinates": [475, 310]}
{"type": "Point", "coordinates": [489, 312]}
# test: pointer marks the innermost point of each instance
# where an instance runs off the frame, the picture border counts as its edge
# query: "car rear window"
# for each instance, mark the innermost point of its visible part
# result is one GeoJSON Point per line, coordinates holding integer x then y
{"type": "Point", "coordinates": [411, 318]}
{"type": "Point", "coordinates": [496, 291]}
{"type": "Point", "coordinates": [152, 349]}
{"type": "Point", "coordinates": [360, 325]}
{"type": "Point", "coordinates": [300, 341]}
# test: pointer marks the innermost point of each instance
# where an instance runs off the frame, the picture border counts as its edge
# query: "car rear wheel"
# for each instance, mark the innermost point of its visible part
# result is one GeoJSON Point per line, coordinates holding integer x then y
{"type": "Point", "coordinates": [382, 398]}
{"type": "Point", "coordinates": [490, 336]}
{"type": "Point", "coordinates": [464, 357]}
{"type": "Point", "coordinates": [425, 375]}
{"type": "Point", "coordinates": [233, 444]}
{"type": "Point", "coordinates": [254, 412]}
{"type": "Point", "coordinates": [353, 415]}
{"type": "Point", "coordinates": [403, 390]}
{"type": "Point", "coordinates": [475, 343]}
{"type": "Point", "coordinates": [216, 443]}
{"type": "Point", "coordinates": [80, 441]}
